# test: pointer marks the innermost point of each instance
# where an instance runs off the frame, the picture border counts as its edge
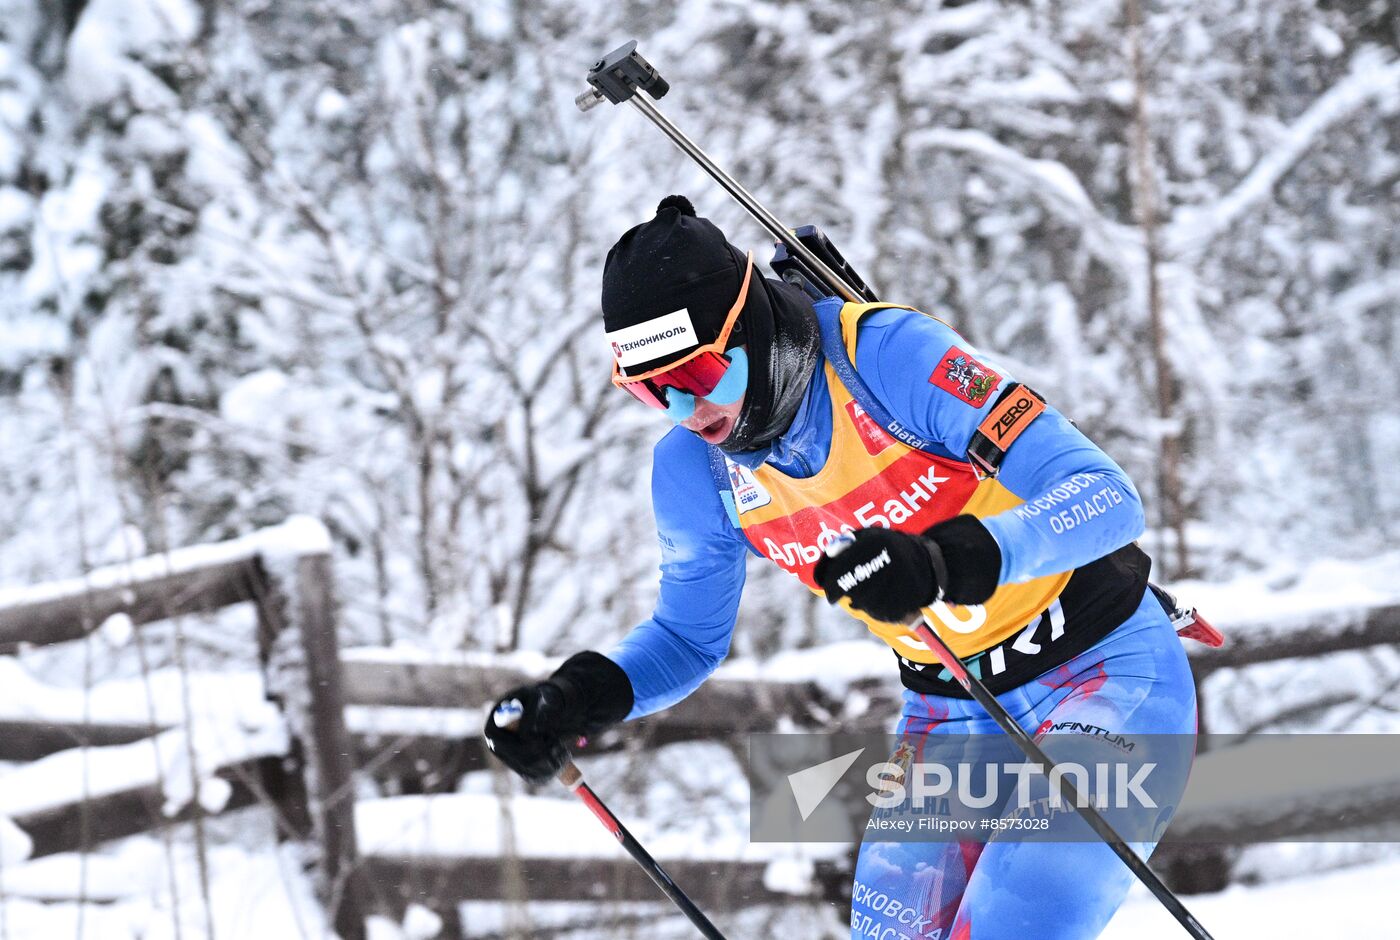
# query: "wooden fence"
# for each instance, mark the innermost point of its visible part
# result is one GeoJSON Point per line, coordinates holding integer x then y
{"type": "Point", "coordinates": [311, 785]}
{"type": "Point", "coordinates": [1194, 857]}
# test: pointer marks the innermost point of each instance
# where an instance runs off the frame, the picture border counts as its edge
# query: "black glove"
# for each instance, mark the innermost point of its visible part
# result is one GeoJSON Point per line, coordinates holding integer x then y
{"type": "Point", "coordinates": [890, 575]}
{"type": "Point", "coordinates": [586, 694]}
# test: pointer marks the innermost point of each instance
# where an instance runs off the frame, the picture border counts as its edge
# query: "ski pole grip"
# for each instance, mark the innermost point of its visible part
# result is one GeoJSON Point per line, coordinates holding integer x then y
{"type": "Point", "coordinates": [570, 776]}
{"type": "Point", "coordinates": [508, 714]}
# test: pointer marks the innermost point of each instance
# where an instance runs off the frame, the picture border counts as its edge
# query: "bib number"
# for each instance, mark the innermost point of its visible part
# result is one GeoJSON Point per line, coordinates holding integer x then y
{"type": "Point", "coordinates": [974, 619]}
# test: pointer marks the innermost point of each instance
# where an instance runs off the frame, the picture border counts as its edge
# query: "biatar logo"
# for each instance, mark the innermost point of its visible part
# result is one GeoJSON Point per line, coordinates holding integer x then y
{"type": "Point", "coordinates": [872, 436]}
{"type": "Point", "coordinates": [862, 572]}
{"type": "Point", "coordinates": [811, 786]}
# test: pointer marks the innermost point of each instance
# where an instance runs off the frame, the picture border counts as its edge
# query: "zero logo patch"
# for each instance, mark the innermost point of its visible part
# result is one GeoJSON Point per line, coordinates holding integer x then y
{"type": "Point", "coordinates": [1005, 421]}
{"type": "Point", "coordinates": [963, 376]}
{"type": "Point", "coordinates": [1011, 416]}
{"type": "Point", "coordinates": [873, 436]}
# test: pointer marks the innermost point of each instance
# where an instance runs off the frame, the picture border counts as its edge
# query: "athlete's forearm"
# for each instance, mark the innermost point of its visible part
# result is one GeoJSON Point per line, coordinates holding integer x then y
{"type": "Point", "coordinates": [662, 667]}
{"type": "Point", "coordinates": [667, 656]}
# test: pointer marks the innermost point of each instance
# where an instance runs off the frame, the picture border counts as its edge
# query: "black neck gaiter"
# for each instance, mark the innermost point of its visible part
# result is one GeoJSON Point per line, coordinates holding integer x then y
{"type": "Point", "coordinates": [783, 342]}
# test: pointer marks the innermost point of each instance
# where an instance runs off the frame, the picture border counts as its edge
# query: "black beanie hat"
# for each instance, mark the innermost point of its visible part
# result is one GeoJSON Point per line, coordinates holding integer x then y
{"type": "Point", "coordinates": [668, 285]}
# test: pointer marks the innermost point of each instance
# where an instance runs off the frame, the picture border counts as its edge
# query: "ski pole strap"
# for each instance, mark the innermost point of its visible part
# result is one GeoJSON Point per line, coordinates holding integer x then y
{"type": "Point", "coordinates": [1013, 412]}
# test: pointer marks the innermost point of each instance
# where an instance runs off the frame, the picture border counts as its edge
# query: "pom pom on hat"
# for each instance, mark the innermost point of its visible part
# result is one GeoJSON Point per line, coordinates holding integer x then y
{"type": "Point", "coordinates": [679, 203]}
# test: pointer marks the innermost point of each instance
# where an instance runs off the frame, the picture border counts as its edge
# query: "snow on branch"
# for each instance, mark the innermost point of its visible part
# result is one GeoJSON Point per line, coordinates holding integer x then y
{"type": "Point", "coordinates": [1365, 296]}
{"type": "Point", "coordinates": [1373, 73]}
{"type": "Point", "coordinates": [1052, 184]}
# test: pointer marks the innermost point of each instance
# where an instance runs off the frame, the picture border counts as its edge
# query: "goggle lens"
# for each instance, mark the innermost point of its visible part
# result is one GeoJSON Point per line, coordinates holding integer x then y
{"type": "Point", "coordinates": [719, 378]}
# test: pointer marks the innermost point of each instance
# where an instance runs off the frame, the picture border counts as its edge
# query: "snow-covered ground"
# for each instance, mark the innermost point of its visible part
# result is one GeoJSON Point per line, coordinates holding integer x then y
{"type": "Point", "coordinates": [150, 892]}
{"type": "Point", "coordinates": [262, 894]}
{"type": "Point", "coordinates": [1350, 904]}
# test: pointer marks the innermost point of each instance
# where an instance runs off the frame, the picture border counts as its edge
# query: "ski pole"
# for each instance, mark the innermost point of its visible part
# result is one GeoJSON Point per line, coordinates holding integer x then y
{"type": "Point", "coordinates": [623, 75]}
{"type": "Point", "coordinates": [974, 686]}
{"type": "Point", "coordinates": [507, 716]}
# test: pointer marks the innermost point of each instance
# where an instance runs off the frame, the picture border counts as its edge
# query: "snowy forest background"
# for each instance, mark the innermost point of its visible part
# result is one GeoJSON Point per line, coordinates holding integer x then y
{"type": "Point", "coordinates": [265, 258]}
{"type": "Point", "coordinates": [262, 258]}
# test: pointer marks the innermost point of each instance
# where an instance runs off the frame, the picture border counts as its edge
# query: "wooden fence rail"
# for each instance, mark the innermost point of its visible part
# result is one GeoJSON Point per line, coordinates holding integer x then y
{"type": "Point", "coordinates": [1194, 857]}
{"type": "Point", "coordinates": [725, 707]}
{"type": "Point", "coordinates": [147, 590]}
{"type": "Point", "coordinates": [714, 884]}
{"type": "Point", "coordinates": [1346, 629]}
{"type": "Point", "coordinates": [724, 704]}
{"type": "Point", "coordinates": [72, 827]}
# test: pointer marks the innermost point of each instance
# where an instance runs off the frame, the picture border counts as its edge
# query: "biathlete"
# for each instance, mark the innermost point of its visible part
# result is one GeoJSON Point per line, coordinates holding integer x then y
{"type": "Point", "coordinates": [956, 488]}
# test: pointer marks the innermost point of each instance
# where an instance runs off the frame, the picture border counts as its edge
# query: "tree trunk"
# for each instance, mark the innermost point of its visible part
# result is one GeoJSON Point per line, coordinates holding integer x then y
{"type": "Point", "coordinates": [1171, 505]}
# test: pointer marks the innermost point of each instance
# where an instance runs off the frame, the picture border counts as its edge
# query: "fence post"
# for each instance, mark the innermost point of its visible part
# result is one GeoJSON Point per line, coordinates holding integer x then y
{"type": "Point", "coordinates": [330, 754]}
{"type": "Point", "coordinates": [282, 777]}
